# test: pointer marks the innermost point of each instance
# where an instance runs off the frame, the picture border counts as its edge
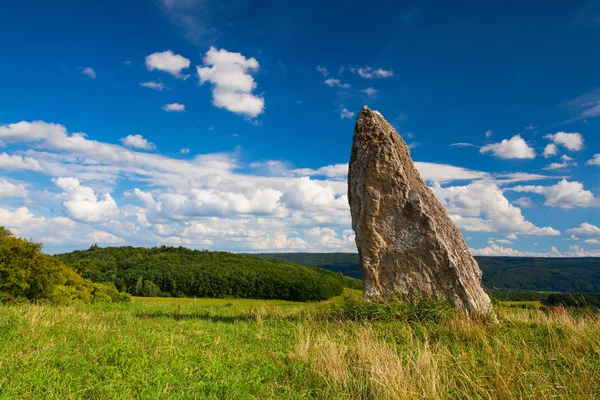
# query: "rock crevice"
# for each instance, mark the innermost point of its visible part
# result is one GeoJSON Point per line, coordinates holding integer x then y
{"type": "Point", "coordinates": [408, 246]}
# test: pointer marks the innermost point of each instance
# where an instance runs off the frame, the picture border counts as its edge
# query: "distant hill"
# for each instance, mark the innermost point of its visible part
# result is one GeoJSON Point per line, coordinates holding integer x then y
{"type": "Point", "coordinates": [517, 273]}
{"type": "Point", "coordinates": [181, 272]}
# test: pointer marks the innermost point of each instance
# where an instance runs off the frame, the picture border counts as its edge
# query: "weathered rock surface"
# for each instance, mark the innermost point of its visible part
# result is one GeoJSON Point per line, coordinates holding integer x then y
{"type": "Point", "coordinates": [408, 246]}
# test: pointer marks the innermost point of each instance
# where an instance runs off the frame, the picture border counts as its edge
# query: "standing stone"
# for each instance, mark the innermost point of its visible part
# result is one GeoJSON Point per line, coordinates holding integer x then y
{"type": "Point", "coordinates": [408, 246]}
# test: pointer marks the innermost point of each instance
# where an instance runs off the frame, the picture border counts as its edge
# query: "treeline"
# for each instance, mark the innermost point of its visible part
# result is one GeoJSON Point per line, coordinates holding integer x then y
{"type": "Point", "coordinates": [181, 272]}
{"type": "Point", "coordinates": [504, 273]}
{"type": "Point", "coordinates": [29, 275]}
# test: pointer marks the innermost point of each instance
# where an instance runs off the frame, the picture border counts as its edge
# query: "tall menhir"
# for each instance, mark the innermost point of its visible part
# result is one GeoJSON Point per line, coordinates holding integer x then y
{"type": "Point", "coordinates": [408, 246]}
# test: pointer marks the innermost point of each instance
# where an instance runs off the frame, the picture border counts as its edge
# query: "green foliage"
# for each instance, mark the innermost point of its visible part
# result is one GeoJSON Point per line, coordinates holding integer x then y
{"type": "Point", "coordinates": [27, 274]}
{"type": "Point", "coordinates": [501, 273]}
{"type": "Point", "coordinates": [181, 272]}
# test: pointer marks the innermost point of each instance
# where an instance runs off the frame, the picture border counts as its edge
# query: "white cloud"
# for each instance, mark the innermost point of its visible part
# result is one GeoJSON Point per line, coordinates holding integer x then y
{"type": "Point", "coordinates": [154, 85]}
{"type": "Point", "coordinates": [332, 82]}
{"type": "Point", "coordinates": [595, 160]}
{"type": "Point", "coordinates": [482, 207]}
{"type": "Point", "coordinates": [488, 133]}
{"type": "Point", "coordinates": [185, 151]}
{"type": "Point", "coordinates": [524, 202]}
{"type": "Point", "coordinates": [167, 61]}
{"type": "Point", "coordinates": [104, 237]}
{"type": "Point", "coordinates": [330, 171]}
{"type": "Point", "coordinates": [322, 70]}
{"type": "Point", "coordinates": [346, 114]}
{"type": "Point", "coordinates": [498, 251]}
{"type": "Point", "coordinates": [591, 241]}
{"type": "Point", "coordinates": [515, 147]}
{"type": "Point", "coordinates": [370, 73]}
{"type": "Point", "coordinates": [530, 127]}
{"type": "Point", "coordinates": [571, 141]}
{"type": "Point", "coordinates": [566, 163]}
{"type": "Point", "coordinates": [82, 204]}
{"type": "Point", "coordinates": [174, 107]}
{"type": "Point", "coordinates": [9, 189]}
{"type": "Point", "coordinates": [443, 173]}
{"type": "Point", "coordinates": [89, 72]}
{"type": "Point", "coordinates": [585, 229]}
{"type": "Point", "coordinates": [138, 142]}
{"type": "Point", "coordinates": [578, 251]}
{"type": "Point", "coordinates": [371, 92]}
{"type": "Point", "coordinates": [15, 162]}
{"type": "Point", "coordinates": [564, 194]}
{"type": "Point", "coordinates": [550, 150]}
{"type": "Point", "coordinates": [232, 83]}
{"type": "Point", "coordinates": [20, 221]}
{"type": "Point", "coordinates": [512, 236]}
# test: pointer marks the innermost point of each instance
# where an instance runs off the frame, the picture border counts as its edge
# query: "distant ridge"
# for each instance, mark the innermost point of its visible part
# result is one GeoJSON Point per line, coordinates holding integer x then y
{"type": "Point", "coordinates": [517, 273]}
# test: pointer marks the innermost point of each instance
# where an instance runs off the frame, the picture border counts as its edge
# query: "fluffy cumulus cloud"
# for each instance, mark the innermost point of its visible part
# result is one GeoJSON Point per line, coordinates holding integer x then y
{"type": "Point", "coordinates": [370, 72]}
{"type": "Point", "coordinates": [515, 147]}
{"type": "Point", "coordinates": [82, 204]}
{"type": "Point", "coordinates": [169, 62]}
{"type": "Point", "coordinates": [585, 229]}
{"type": "Point", "coordinates": [564, 194]}
{"type": "Point", "coordinates": [15, 162]}
{"type": "Point", "coordinates": [550, 150]}
{"type": "Point", "coordinates": [566, 162]}
{"type": "Point", "coordinates": [482, 207]}
{"type": "Point", "coordinates": [137, 142]}
{"type": "Point", "coordinates": [571, 141]}
{"type": "Point", "coordinates": [9, 189]}
{"type": "Point", "coordinates": [174, 107]}
{"type": "Point", "coordinates": [229, 73]}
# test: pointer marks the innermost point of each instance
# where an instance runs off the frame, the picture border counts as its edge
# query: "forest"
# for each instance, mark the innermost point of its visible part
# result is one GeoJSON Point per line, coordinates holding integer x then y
{"type": "Point", "coordinates": [499, 273]}
{"type": "Point", "coordinates": [182, 272]}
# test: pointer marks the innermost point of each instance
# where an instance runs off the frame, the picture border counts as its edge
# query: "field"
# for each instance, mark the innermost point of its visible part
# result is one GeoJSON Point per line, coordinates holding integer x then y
{"type": "Point", "coordinates": [251, 349]}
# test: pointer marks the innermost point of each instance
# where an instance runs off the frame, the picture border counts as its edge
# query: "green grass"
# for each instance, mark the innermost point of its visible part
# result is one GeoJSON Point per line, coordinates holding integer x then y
{"type": "Point", "coordinates": [247, 349]}
{"type": "Point", "coordinates": [523, 304]}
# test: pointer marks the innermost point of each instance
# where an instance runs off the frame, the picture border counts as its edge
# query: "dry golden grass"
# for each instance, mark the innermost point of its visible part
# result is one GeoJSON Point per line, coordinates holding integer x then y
{"type": "Point", "coordinates": [527, 355]}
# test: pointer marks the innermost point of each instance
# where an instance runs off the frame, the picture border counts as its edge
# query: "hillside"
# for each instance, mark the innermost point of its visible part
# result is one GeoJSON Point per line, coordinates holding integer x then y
{"type": "Point", "coordinates": [181, 272]}
{"type": "Point", "coordinates": [518, 273]}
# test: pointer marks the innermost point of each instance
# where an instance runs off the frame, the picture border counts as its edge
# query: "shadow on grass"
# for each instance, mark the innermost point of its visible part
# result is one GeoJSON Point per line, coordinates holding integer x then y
{"type": "Point", "coordinates": [228, 319]}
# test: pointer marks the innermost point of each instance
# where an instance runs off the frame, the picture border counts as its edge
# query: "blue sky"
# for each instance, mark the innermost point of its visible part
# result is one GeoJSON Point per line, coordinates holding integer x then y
{"type": "Point", "coordinates": [228, 127]}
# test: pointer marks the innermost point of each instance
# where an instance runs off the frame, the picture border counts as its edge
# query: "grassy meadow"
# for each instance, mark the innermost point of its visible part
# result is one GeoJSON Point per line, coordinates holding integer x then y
{"type": "Point", "coordinates": [169, 348]}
